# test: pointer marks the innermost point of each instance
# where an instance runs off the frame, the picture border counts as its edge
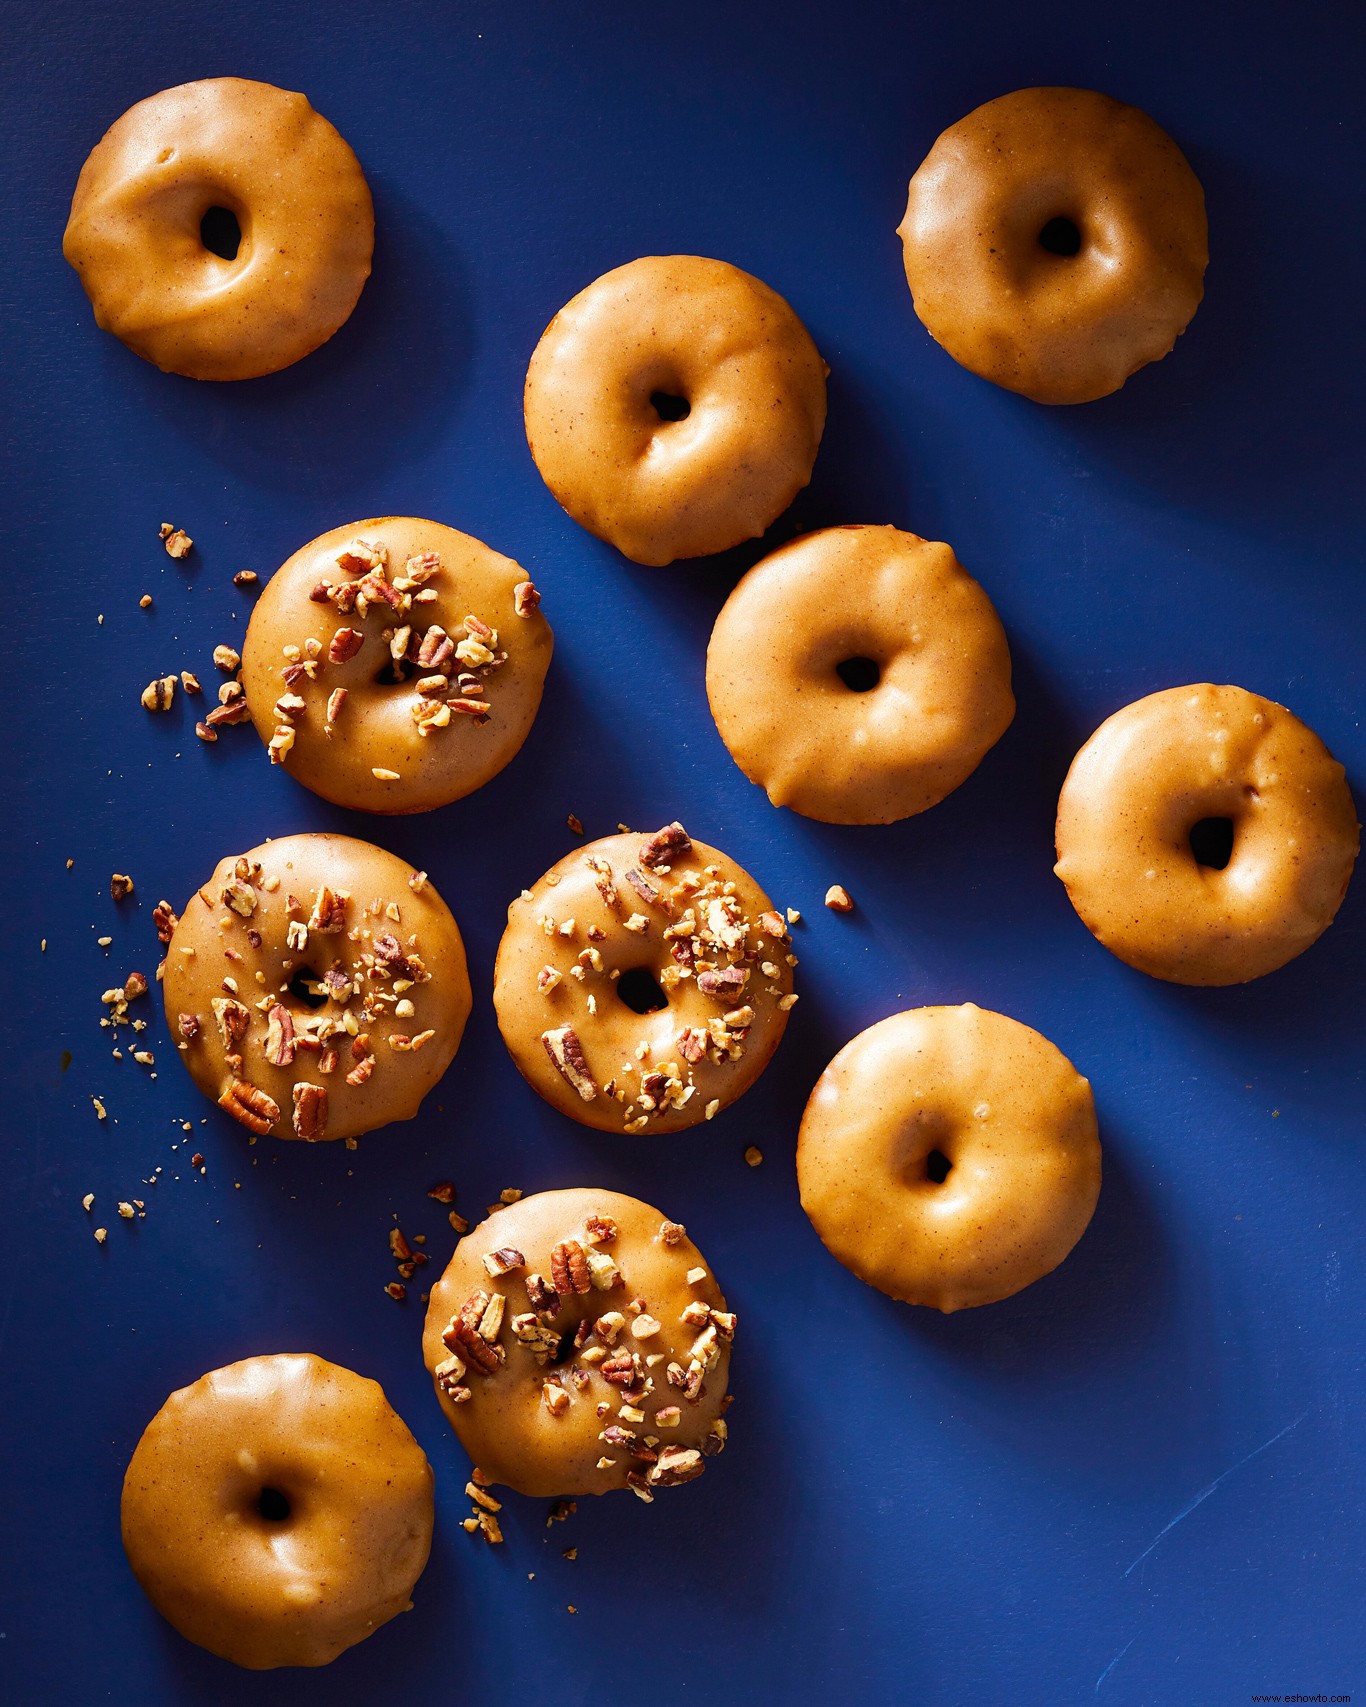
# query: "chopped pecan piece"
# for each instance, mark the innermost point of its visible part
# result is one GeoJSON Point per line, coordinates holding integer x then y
{"type": "Point", "coordinates": [120, 886]}
{"type": "Point", "coordinates": [241, 897]}
{"type": "Point", "coordinates": [609, 1326]}
{"type": "Point", "coordinates": [671, 1232]}
{"type": "Point", "coordinates": [542, 1297]}
{"type": "Point", "coordinates": [329, 912]}
{"type": "Point", "coordinates": [443, 1191]}
{"type": "Point", "coordinates": [692, 1043]}
{"type": "Point", "coordinates": [345, 643]}
{"type": "Point", "coordinates": [564, 1049]}
{"type": "Point", "coordinates": [188, 1026]}
{"type": "Point", "coordinates": [470, 707]}
{"type": "Point", "coordinates": [476, 1351]}
{"type": "Point", "coordinates": [422, 567]}
{"type": "Point", "coordinates": [134, 985]}
{"type": "Point", "coordinates": [436, 649]}
{"type": "Point", "coordinates": [601, 1229]}
{"type": "Point", "coordinates": [602, 877]}
{"type": "Point", "coordinates": [361, 558]}
{"type": "Point", "coordinates": [676, 1464]}
{"type": "Point", "coordinates": [158, 694]}
{"type": "Point", "coordinates": [725, 982]}
{"type": "Point", "coordinates": [165, 920]}
{"type": "Point", "coordinates": [838, 899]}
{"type": "Point", "coordinates": [310, 1110]}
{"type": "Point", "coordinates": [235, 711]}
{"type": "Point", "coordinates": [280, 1037]}
{"type": "Point", "coordinates": [569, 1268]}
{"type": "Point", "coordinates": [670, 843]}
{"type": "Point", "coordinates": [525, 598]}
{"type": "Point", "coordinates": [256, 1111]}
{"type": "Point", "coordinates": [541, 1341]}
{"type": "Point", "coordinates": [503, 1261]}
{"type": "Point", "coordinates": [620, 1370]}
{"type": "Point", "coordinates": [648, 893]}
{"type": "Point", "coordinates": [177, 542]}
{"type": "Point", "coordinates": [714, 1440]}
{"type": "Point", "coordinates": [232, 1019]}
{"type": "Point", "coordinates": [335, 701]}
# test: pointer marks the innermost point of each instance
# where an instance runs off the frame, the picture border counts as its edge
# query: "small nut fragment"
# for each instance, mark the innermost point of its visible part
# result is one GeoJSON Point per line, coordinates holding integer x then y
{"type": "Point", "coordinates": [159, 694]}
{"type": "Point", "coordinates": [542, 1297]}
{"type": "Point", "coordinates": [120, 886]}
{"type": "Point", "coordinates": [245, 578]}
{"type": "Point", "coordinates": [564, 1049]}
{"type": "Point", "coordinates": [555, 1398]}
{"type": "Point", "coordinates": [190, 682]}
{"type": "Point", "coordinates": [569, 1268]}
{"type": "Point", "coordinates": [676, 1464]}
{"type": "Point", "coordinates": [310, 1110]}
{"type": "Point", "coordinates": [754, 1155]}
{"type": "Point", "coordinates": [226, 659]}
{"type": "Point", "coordinates": [838, 899]}
{"type": "Point", "coordinates": [670, 843]}
{"type": "Point", "coordinates": [177, 542]}
{"type": "Point", "coordinates": [506, 1260]}
{"type": "Point", "coordinates": [525, 598]}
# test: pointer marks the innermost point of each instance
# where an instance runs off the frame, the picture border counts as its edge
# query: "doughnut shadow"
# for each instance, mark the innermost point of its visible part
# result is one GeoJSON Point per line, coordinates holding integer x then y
{"type": "Point", "coordinates": [367, 400]}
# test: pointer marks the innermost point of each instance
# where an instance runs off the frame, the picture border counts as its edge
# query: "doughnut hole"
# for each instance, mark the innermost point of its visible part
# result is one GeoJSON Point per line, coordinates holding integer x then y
{"type": "Point", "coordinates": [1211, 842]}
{"type": "Point", "coordinates": [641, 991]}
{"type": "Point", "coordinates": [273, 1505]}
{"type": "Point", "coordinates": [1060, 236]}
{"type": "Point", "coordinates": [220, 231]}
{"type": "Point", "coordinates": [924, 1155]}
{"type": "Point", "coordinates": [860, 674]}
{"type": "Point", "coordinates": [669, 406]}
{"type": "Point", "coordinates": [937, 1167]}
{"type": "Point", "coordinates": [307, 988]}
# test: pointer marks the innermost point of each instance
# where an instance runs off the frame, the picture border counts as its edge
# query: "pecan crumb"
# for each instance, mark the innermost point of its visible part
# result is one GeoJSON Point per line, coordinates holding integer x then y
{"type": "Point", "coordinates": [525, 598]}
{"type": "Point", "coordinates": [575, 824]}
{"type": "Point", "coordinates": [564, 1049]}
{"type": "Point", "coordinates": [120, 886]}
{"type": "Point", "coordinates": [754, 1155]}
{"type": "Point", "coordinates": [226, 659]}
{"type": "Point", "coordinates": [159, 694]}
{"type": "Point", "coordinates": [672, 842]}
{"type": "Point", "coordinates": [838, 899]}
{"type": "Point", "coordinates": [245, 578]}
{"type": "Point", "coordinates": [177, 542]}
{"type": "Point", "coordinates": [443, 1191]}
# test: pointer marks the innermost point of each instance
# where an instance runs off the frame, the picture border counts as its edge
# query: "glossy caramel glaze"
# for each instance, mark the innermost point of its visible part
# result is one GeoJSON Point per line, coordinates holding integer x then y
{"type": "Point", "coordinates": [395, 665]}
{"type": "Point", "coordinates": [1060, 328]}
{"type": "Point", "coordinates": [1154, 770]}
{"type": "Point", "coordinates": [1001, 1105]}
{"type": "Point", "coordinates": [301, 202]}
{"type": "Point", "coordinates": [616, 1379]}
{"type": "Point", "coordinates": [791, 722]}
{"type": "Point", "coordinates": [316, 987]}
{"type": "Point", "coordinates": [690, 919]}
{"type": "Point", "coordinates": [705, 335]}
{"type": "Point", "coordinates": [203, 1494]}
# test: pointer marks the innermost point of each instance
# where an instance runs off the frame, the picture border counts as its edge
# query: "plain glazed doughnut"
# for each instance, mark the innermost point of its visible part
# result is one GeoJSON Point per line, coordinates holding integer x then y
{"type": "Point", "coordinates": [1205, 835]}
{"type": "Point", "coordinates": [1055, 242]}
{"type": "Point", "coordinates": [643, 983]}
{"type": "Point", "coordinates": [316, 987]}
{"type": "Point", "coordinates": [949, 1156]}
{"type": "Point", "coordinates": [859, 675]}
{"type": "Point", "coordinates": [277, 1511]}
{"type": "Point", "coordinates": [302, 206]}
{"type": "Point", "coordinates": [579, 1344]}
{"type": "Point", "coordinates": [395, 665]}
{"type": "Point", "coordinates": [675, 407]}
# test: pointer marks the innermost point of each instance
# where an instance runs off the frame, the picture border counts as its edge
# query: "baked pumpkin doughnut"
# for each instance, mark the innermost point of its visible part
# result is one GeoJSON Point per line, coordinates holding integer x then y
{"type": "Point", "coordinates": [949, 1156]}
{"type": "Point", "coordinates": [1055, 242]}
{"type": "Point", "coordinates": [859, 675]}
{"type": "Point", "coordinates": [277, 1511]}
{"type": "Point", "coordinates": [1205, 835]}
{"type": "Point", "coordinates": [239, 154]}
{"type": "Point", "coordinates": [316, 987]}
{"type": "Point", "coordinates": [579, 1344]}
{"type": "Point", "coordinates": [675, 407]}
{"type": "Point", "coordinates": [395, 665]}
{"type": "Point", "coordinates": [643, 983]}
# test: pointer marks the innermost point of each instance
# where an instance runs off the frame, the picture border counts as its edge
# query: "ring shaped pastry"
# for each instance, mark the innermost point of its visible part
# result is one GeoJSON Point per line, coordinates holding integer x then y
{"type": "Point", "coordinates": [949, 1156]}
{"type": "Point", "coordinates": [675, 407]}
{"type": "Point", "coordinates": [316, 987]}
{"type": "Point", "coordinates": [248, 157]}
{"type": "Point", "coordinates": [278, 1511]}
{"type": "Point", "coordinates": [395, 665]}
{"type": "Point", "coordinates": [859, 675]}
{"type": "Point", "coordinates": [1205, 835]}
{"type": "Point", "coordinates": [644, 983]}
{"type": "Point", "coordinates": [579, 1344]}
{"type": "Point", "coordinates": [1055, 242]}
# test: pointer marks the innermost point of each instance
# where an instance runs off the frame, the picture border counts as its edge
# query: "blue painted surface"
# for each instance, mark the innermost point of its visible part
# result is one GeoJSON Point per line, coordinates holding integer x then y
{"type": "Point", "coordinates": [937, 1511]}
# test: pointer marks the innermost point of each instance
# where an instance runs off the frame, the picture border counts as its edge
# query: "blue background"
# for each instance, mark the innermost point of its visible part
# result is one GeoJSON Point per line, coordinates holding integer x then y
{"type": "Point", "coordinates": [939, 1511]}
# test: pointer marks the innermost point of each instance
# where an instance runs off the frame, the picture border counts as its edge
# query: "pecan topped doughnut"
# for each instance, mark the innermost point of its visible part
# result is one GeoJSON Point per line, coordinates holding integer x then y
{"type": "Point", "coordinates": [1205, 835]}
{"type": "Point", "coordinates": [316, 986]}
{"type": "Point", "coordinates": [859, 675]}
{"type": "Point", "coordinates": [395, 665]}
{"type": "Point", "coordinates": [644, 983]}
{"type": "Point", "coordinates": [289, 257]}
{"type": "Point", "coordinates": [1055, 242]}
{"type": "Point", "coordinates": [675, 407]}
{"type": "Point", "coordinates": [579, 1344]}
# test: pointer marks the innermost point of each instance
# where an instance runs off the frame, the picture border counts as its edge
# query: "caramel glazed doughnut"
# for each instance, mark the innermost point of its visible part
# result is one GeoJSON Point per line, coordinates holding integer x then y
{"type": "Point", "coordinates": [1055, 242]}
{"type": "Point", "coordinates": [859, 675]}
{"type": "Point", "coordinates": [1205, 835]}
{"type": "Point", "coordinates": [277, 1511]}
{"type": "Point", "coordinates": [614, 1372]}
{"type": "Point", "coordinates": [221, 147]}
{"type": "Point", "coordinates": [949, 1157]}
{"type": "Point", "coordinates": [675, 407]}
{"type": "Point", "coordinates": [643, 984]}
{"type": "Point", "coordinates": [395, 665]}
{"type": "Point", "coordinates": [316, 985]}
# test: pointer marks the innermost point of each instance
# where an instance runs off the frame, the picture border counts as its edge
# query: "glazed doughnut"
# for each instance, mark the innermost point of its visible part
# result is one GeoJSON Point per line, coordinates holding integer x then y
{"type": "Point", "coordinates": [579, 1344]}
{"type": "Point", "coordinates": [859, 675]}
{"type": "Point", "coordinates": [395, 665]}
{"type": "Point", "coordinates": [260, 156]}
{"type": "Point", "coordinates": [675, 407]}
{"type": "Point", "coordinates": [277, 1511]}
{"type": "Point", "coordinates": [643, 983]}
{"type": "Point", "coordinates": [316, 987]}
{"type": "Point", "coordinates": [1055, 242]}
{"type": "Point", "coordinates": [1205, 835]}
{"type": "Point", "coordinates": [949, 1156]}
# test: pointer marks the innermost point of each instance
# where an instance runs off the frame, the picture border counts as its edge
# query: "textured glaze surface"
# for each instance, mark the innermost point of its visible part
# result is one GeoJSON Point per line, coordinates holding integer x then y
{"type": "Point", "coordinates": [336, 754]}
{"type": "Point", "coordinates": [505, 1424]}
{"type": "Point", "coordinates": [588, 924]}
{"type": "Point", "coordinates": [702, 333]}
{"type": "Point", "coordinates": [307, 229]}
{"type": "Point", "coordinates": [942, 695]}
{"type": "Point", "coordinates": [1007, 1112]}
{"type": "Point", "coordinates": [350, 965]}
{"type": "Point", "coordinates": [943, 1511]}
{"type": "Point", "coordinates": [1060, 328]}
{"type": "Point", "coordinates": [257, 1588]}
{"type": "Point", "coordinates": [1154, 770]}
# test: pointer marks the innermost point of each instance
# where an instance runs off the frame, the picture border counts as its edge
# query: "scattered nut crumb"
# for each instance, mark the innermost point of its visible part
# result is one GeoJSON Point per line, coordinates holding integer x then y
{"type": "Point", "coordinates": [101, 1112]}
{"type": "Point", "coordinates": [145, 602]}
{"type": "Point", "coordinates": [101, 1234]}
{"type": "Point", "coordinates": [177, 542]}
{"type": "Point", "coordinates": [189, 681]}
{"type": "Point", "coordinates": [120, 886]}
{"type": "Point", "coordinates": [226, 659]}
{"type": "Point", "coordinates": [754, 1155]}
{"type": "Point", "coordinates": [838, 899]}
{"type": "Point", "coordinates": [245, 578]}
{"type": "Point", "coordinates": [575, 824]}
{"type": "Point", "coordinates": [87, 1202]}
{"type": "Point", "coordinates": [382, 774]}
{"type": "Point", "coordinates": [159, 694]}
{"type": "Point", "coordinates": [126, 1210]}
{"type": "Point", "coordinates": [793, 916]}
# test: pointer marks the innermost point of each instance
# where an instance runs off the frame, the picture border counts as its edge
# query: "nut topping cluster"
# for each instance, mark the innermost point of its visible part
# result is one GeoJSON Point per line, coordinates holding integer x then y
{"type": "Point", "coordinates": [699, 918]}
{"type": "Point", "coordinates": [594, 1342]}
